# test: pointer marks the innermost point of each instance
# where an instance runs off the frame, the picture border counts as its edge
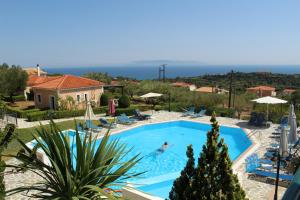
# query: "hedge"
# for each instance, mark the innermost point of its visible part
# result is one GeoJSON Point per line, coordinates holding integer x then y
{"type": "Point", "coordinates": [20, 113]}
{"type": "Point", "coordinates": [100, 110]}
{"type": "Point", "coordinates": [37, 116]}
{"type": "Point", "coordinates": [127, 111]}
{"type": "Point", "coordinates": [15, 98]}
{"type": "Point", "coordinates": [45, 115]}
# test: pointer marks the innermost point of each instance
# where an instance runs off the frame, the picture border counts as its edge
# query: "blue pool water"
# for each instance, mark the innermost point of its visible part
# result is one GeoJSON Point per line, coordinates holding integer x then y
{"type": "Point", "coordinates": [162, 168]}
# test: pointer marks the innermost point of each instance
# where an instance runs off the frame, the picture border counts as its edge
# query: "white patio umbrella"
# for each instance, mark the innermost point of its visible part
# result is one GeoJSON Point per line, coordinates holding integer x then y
{"type": "Point", "coordinates": [283, 147]}
{"type": "Point", "coordinates": [151, 94]}
{"type": "Point", "coordinates": [269, 100]}
{"type": "Point", "coordinates": [293, 138]}
{"type": "Point", "coordinates": [89, 114]}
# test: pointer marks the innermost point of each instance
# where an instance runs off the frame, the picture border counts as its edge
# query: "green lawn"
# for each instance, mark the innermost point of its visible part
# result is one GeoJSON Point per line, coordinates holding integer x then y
{"type": "Point", "coordinates": [25, 134]}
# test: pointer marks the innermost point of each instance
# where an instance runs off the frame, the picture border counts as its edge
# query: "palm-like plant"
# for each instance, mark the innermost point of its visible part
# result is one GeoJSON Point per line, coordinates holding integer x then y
{"type": "Point", "coordinates": [75, 172]}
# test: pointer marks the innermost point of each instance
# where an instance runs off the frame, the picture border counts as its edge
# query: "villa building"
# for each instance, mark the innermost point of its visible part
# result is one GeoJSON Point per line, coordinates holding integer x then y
{"type": "Point", "coordinates": [191, 87]}
{"type": "Point", "coordinates": [262, 91]}
{"type": "Point", "coordinates": [211, 90]}
{"type": "Point", "coordinates": [288, 91]}
{"type": "Point", "coordinates": [48, 90]}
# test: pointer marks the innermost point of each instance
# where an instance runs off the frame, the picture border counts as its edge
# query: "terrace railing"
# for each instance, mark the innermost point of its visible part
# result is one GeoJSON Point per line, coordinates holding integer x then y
{"type": "Point", "coordinates": [7, 118]}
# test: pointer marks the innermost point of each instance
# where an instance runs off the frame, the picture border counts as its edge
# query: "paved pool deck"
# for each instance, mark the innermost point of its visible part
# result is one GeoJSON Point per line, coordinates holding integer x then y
{"type": "Point", "coordinates": [262, 139]}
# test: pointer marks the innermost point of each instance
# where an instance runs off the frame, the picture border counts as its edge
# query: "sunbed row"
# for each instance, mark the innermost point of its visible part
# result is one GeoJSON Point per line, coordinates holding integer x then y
{"type": "Point", "coordinates": [121, 119]}
{"type": "Point", "coordinates": [190, 112]}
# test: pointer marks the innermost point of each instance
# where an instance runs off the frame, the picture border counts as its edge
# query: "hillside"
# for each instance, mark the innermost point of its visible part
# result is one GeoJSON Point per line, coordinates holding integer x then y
{"type": "Point", "coordinates": [241, 81]}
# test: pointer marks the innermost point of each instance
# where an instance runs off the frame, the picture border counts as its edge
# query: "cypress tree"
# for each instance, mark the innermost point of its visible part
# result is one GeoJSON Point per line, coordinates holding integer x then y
{"type": "Point", "coordinates": [213, 177]}
{"type": "Point", "coordinates": [182, 189]}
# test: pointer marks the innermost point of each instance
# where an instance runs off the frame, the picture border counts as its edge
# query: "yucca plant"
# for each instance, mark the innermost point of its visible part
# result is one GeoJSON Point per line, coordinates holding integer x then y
{"type": "Point", "coordinates": [75, 172]}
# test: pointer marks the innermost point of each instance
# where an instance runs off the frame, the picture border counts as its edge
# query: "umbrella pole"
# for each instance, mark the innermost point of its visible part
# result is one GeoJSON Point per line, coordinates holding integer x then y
{"type": "Point", "coordinates": [277, 177]}
{"type": "Point", "coordinates": [169, 102]}
{"type": "Point", "coordinates": [267, 112]}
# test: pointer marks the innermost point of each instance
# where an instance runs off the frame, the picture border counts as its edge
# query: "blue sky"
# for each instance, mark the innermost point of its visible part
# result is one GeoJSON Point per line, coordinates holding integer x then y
{"type": "Point", "coordinates": [66, 33]}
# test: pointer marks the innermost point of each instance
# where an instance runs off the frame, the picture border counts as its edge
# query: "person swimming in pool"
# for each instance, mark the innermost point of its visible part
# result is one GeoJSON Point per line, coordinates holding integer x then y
{"type": "Point", "coordinates": [163, 147]}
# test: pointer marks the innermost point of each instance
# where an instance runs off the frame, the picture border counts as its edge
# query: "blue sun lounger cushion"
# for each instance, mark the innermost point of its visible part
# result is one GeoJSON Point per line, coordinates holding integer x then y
{"type": "Point", "coordinates": [107, 124]}
{"type": "Point", "coordinates": [201, 113]}
{"type": "Point", "coordinates": [189, 112]}
{"type": "Point", "coordinates": [91, 125]}
{"type": "Point", "coordinates": [273, 175]}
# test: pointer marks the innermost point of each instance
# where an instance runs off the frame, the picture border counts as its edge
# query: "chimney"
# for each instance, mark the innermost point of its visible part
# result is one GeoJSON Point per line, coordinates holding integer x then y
{"type": "Point", "coordinates": [38, 70]}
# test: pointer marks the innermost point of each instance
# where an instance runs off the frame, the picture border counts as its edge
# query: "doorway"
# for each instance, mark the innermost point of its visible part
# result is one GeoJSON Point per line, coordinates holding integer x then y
{"type": "Point", "coordinates": [52, 102]}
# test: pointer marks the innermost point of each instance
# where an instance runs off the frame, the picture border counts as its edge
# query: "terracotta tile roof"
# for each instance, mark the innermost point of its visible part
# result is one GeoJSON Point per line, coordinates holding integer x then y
{"type": "Point", "coordinates": [205, 89]}
{"type": "Point", "coordinates": [34, 79]}
{"type": "Point", "coordinates": [289, 90]}
{"type": "Point", "coordinates": [114, 83]}
{"type": "Point", "coordinates": [180, 84]}
{"type": "Point", "coordinates": [68, 82]}
{"type": "Point", "coordinates": [262, 87]}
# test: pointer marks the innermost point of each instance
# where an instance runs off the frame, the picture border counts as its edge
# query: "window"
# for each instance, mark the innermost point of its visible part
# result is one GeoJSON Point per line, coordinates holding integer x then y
{"type": "Point", "coordinates": [85, 97]}
{"type": "Point", "coordinates": [39, 98]}
{"type": "Point", "coordinates": [78, 98]}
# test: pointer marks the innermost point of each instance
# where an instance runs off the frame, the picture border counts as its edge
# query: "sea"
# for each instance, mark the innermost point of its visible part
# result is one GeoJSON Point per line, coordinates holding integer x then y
{"type": "Point", "coordinates": [151, 72]}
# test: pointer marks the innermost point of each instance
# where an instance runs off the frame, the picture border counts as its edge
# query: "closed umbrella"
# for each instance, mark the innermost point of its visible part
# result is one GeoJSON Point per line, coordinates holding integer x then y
{"type": "Point", "coordinates": [111, 107]}
{"type": "Point", "coordinates": [269, 100]}
{"type": "Point", "coordinates": [291, 111]}
{"type": "Point", "coordinates": [293, 138]}
{"type": "Point", "coordinates": [283, 152]}
{"type": "Point", "coordinates": [283, 147]}
{"type": "Point", "coordinates": [89, 114]}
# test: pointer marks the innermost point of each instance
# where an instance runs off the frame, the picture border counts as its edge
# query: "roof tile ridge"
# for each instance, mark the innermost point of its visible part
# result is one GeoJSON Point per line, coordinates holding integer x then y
{"type": "Point", "coordinates": [64, 77]}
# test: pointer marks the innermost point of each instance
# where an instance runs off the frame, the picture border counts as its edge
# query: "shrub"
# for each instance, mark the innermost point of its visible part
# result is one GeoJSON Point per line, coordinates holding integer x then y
{"type": "Point", "coordinates": [124, 101]}
{"type": "Point", "coordinates": [223, 112]}
{"type": "Point", "coordinates": [104, 100]}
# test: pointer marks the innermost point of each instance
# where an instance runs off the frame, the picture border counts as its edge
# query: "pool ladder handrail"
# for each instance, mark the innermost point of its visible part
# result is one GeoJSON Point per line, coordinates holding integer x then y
{"type": "Point", "coordinates": [254, 132]}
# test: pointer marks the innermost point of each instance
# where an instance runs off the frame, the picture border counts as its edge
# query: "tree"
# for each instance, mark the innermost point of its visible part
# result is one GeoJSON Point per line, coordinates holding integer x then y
{"type": "Point", "coordinates": [83, 171]}
{"type": "Point", "coordinates": [206, 180]}
{"type": "Point", "coordinates": [182, 189]}
{"type": "Point", "coordinates": [124, 101]}
{"type": "Point", "coordinates": [5, 138]}
{"type": "Point", "coordinates": [104, 100]}
{"type": "Point", "coordinates": [295, 97]}
{"type": "Point", "coordinates": [98, 76]}
{"type": "Point", "coordinates": [231, 188]}
{"type": "Point", "coordinates": [12, 80]}
{"type": "Point", "coordinates": [213, 177]}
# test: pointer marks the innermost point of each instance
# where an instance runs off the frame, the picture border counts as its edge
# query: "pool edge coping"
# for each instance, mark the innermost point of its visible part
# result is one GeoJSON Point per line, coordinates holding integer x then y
{"type": "Point", "coordinates": [236, 163]}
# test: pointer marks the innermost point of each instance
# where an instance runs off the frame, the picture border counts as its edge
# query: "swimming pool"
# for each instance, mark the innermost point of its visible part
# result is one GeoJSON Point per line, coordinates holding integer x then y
{"type": "Point", "coordinates": [163, 168]}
